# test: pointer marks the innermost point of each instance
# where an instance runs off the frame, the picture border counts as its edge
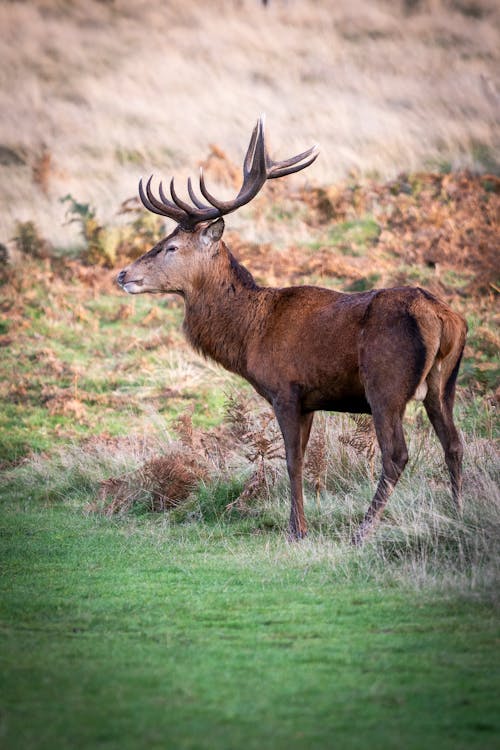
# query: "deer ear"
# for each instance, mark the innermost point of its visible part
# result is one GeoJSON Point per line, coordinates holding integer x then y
{"type": "Point", "coordinates": [213, 232]}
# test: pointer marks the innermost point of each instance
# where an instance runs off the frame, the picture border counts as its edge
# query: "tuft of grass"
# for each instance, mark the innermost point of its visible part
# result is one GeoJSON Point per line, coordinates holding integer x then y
{"type": "Point", "coordinates": [213, 499]}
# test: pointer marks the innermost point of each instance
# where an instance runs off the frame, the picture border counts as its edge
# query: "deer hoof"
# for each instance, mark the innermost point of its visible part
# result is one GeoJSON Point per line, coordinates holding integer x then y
{"type": "Point", "coordinates": [358, 538]}
{"type": "Point", "coordinates": [296, 536]}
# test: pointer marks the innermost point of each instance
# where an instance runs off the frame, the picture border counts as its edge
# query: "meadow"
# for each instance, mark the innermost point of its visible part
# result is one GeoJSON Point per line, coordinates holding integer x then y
{"type": "Point", "coordinates": [149, 594]}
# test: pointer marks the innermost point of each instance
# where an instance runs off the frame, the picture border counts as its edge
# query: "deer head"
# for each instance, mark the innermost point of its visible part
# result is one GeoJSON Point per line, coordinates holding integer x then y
{"type": "Point", "coordinates": [173, 265]}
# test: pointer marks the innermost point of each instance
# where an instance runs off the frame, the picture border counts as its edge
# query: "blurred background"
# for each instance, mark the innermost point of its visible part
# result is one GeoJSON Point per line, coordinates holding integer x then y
{"type": "Point", "coordinates": [94, 95]}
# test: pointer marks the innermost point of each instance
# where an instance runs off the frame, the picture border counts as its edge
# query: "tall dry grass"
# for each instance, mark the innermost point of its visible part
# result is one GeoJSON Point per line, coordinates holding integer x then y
{"type": "Point", "coordinates": [194, 477]}
{"type": "Point", "coordinates": [95, 94]}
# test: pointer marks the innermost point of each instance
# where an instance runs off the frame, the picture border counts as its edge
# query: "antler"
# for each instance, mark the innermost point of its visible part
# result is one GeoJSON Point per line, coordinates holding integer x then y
{"type": "Point", "coordinates": [257, 169]}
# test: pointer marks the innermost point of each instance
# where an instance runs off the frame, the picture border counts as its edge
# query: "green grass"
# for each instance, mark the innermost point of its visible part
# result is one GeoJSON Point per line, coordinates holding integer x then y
{"type": "Point", "coordinates": [138, 634]}
{"type": "Point", "coordinates": [354, 237]}
{"type": "Point", "coordinates": [64, 349]}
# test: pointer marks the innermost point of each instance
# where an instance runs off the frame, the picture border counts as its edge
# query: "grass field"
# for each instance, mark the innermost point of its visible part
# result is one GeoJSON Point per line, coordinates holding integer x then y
{"type": "Point", "coordinates": [149, 597]}
{"type": "Point", "coordinates": [138, 634]}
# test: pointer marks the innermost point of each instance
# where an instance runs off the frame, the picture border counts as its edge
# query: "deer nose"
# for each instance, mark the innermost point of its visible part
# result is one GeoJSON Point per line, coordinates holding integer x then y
{"type": "Point", "coordinates": [121, 277]}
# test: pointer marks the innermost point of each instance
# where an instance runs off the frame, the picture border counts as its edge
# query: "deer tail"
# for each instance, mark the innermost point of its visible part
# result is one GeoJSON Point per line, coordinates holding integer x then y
{"type": "Point", "coordinates": [451, 347]}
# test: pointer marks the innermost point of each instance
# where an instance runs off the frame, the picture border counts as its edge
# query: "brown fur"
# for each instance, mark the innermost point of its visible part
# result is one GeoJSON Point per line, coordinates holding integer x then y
{"type": "Point", "coordinates": [307, 348]}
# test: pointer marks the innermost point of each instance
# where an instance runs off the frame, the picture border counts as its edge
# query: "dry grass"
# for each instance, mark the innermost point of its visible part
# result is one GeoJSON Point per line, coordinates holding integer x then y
{"type": "Point", "coordinates": [95, 94]}
{"type": "Point", "coordinates": [160, 484]}
{"type": "Point", "coordinates": [421, 540]}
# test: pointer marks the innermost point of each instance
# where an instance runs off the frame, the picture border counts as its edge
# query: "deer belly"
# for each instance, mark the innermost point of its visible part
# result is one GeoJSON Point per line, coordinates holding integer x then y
{"type": "Point", "coordinates": [349, 404]}
{"type": "Point", "coordinates": [343, 396]}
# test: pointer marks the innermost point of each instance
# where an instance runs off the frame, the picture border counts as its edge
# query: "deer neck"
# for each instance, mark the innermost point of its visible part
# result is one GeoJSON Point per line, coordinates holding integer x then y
{"type": "Point", "coordinates": [223, 310]}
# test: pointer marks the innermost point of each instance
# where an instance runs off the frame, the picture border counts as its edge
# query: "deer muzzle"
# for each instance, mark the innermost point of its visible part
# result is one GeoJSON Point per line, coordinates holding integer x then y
{"type": "Point", "coordinates": [131, 286]}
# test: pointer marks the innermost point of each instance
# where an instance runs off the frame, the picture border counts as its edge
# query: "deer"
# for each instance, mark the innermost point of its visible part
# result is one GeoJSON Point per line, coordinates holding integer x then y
{"type": "Point", "coordinates": [306, 348]}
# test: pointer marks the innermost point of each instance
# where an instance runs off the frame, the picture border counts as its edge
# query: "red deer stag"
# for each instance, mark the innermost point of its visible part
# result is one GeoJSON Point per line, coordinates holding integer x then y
{"type": "Point", "coordinates": [305, 348]}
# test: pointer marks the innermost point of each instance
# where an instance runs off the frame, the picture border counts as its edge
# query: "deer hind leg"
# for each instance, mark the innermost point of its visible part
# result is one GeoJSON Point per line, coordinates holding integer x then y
{"type": "Point", "coordinates": [389, 429]}
{"type": "Point", "coordinates": [439, 408]}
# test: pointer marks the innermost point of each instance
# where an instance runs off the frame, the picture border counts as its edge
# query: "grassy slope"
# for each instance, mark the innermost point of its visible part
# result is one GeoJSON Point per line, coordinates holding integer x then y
{"type": "Point", "coordinates": [96, 94]}
{"type": "Point", "coordinates": [79, 358]}
{"type": "Point", "coordinates": [135, 635]}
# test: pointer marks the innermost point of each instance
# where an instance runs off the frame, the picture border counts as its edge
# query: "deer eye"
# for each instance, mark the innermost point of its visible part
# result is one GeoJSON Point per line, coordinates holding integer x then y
{"type": "Point", "coordinates": [171, 248]}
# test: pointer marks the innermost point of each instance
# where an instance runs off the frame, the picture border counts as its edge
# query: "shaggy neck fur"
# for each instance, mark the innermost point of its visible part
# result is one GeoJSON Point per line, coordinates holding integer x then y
{"type": "Point", "coordinates": [224, 310]}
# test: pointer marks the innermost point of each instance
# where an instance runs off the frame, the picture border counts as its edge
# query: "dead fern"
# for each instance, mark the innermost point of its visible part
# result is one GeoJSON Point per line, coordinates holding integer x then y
{"type": "Point", "coordinates": [116, 495]}
{"type": "Point", "coordinates": [185, 430]}
{"type": "Point", "coordinates": [212, 446]}
{"type": "Point", "coordinates": [363, 438]}
{"type": "Point", "coordinates": [256, 434]}
{"type": "Point", "coordinates": [254, 429]}
{"type": "Point", "coordinates": [161, 483]}
{"type": "Point", "coordinates": [171, 478]}
{"type": "Point", "coordinates": [317, 456]}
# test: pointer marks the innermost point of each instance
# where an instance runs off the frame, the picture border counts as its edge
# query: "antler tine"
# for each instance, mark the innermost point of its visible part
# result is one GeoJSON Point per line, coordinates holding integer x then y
{"type": "Point", "coordinates": [194, 197]}
{"type": "Point", "coordinates": [289, 166]}
{"type": "Point", "coordinates": [154, 205]}
{"type": "Point", "coordinates": [254, 173]}
{"type": "Point", "coordinates": [210, 198]}
{"type": "Point", "coordinates": [160, 206]}
{"type": "Point", "coordinates": [255, 176]}
{"type": "Point", "coordinates": [180, 203]}
{"type": "Point", "coordinates": [167, 204]}
{"type": "Point", "coordinates": [257, 134]}
{"type": "Point", "coordinates": [164, 208]}
{"type": "Point", "coordinates": [144, 200]}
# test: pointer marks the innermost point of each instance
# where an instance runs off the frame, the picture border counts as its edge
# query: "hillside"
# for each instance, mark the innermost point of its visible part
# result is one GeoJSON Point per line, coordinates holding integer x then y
{"type": "Point", "coordinates": [94, 95]}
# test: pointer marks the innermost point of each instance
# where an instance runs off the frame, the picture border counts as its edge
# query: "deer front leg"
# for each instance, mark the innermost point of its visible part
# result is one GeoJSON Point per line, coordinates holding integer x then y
{"type": "Point", "coordinates": [295, 428]}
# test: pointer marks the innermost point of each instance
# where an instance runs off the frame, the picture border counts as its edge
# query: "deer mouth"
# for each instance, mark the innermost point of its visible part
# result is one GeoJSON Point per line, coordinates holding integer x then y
{"type": "Point", "coordinates": [133, 287]}
{"type": "Point", "coordinates": [137, 287]}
